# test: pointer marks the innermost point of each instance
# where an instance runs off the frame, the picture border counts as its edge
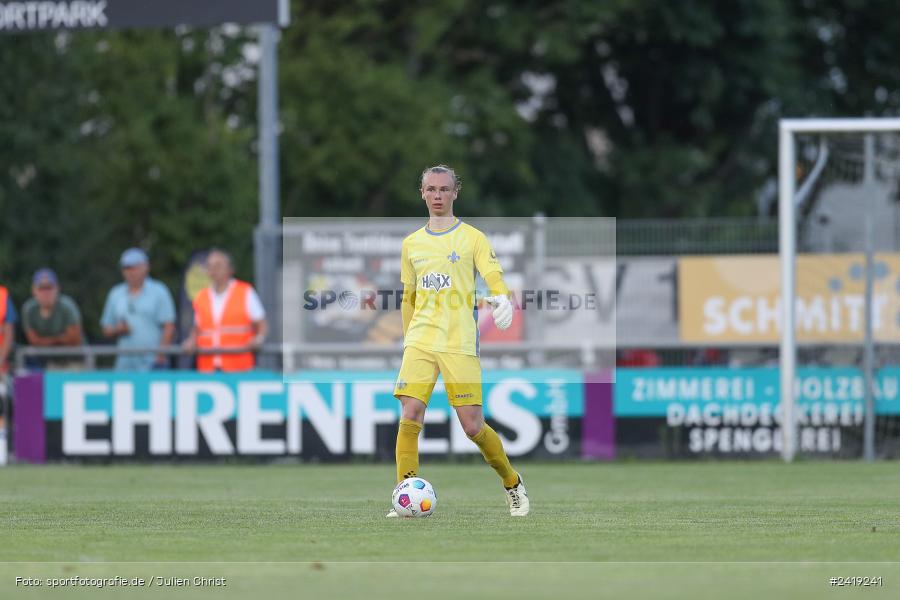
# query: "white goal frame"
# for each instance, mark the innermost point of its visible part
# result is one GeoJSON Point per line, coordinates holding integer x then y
{"type": "Point", "coordinates": [787, 250]}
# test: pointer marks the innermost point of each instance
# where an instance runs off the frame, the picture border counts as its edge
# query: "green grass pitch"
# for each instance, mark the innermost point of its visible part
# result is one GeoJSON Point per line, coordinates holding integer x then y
{"type": "Point", "coordinates": [669, 530]}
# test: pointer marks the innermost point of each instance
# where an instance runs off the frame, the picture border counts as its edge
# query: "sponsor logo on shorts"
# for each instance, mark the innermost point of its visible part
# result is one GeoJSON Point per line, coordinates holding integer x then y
{"type": "Point", "coordinates": [469, 395]}
{"type": "Point", "coordinates": [401, 385]}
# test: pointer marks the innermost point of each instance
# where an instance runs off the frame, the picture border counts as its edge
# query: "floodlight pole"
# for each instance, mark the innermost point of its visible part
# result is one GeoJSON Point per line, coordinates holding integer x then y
{"type": "Point", "coordinates": [267, 252]}
{"type": "Point", "coordinates": [269, 209]}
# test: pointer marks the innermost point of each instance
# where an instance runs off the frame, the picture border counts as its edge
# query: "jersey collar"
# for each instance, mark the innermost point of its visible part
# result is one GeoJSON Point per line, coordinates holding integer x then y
{"type": "Point", "coordinates": [444, 231]}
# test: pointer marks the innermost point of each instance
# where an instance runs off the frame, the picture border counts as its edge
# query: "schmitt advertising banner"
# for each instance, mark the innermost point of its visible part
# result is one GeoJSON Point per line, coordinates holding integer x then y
{"type": "Point", "coordinates": [191, 415]}
{"type": "Point", "coordinates": [691, 411]}
{"type": "Point", "coordinates": [737, 299]}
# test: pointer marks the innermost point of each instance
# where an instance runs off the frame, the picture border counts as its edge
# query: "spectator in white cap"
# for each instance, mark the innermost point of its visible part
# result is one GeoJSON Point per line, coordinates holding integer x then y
{"type": "Point", "coordinates": [139, 313]}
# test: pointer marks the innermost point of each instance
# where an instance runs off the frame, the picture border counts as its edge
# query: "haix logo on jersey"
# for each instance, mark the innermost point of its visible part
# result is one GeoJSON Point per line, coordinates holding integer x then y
{"type": "Point", "coordinates": [436, 281]}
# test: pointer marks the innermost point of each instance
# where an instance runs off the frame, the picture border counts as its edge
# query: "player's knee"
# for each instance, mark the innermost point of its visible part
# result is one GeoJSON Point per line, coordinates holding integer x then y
{"type": "Point", "coordinates": [412, 409]}
{"type": "Point", "coordinates": [472, 427]}
{"type": "Point", "coordinates": [413, 415]}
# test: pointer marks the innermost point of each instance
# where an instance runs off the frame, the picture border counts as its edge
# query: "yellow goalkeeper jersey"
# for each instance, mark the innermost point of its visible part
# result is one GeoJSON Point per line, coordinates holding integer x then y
{"type": "Point", "coordinates": [441, 266]}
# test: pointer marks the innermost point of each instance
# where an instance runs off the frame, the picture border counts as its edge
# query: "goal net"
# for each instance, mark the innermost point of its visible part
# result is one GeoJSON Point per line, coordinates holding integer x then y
{"type": "Point", "coordinates": [839, 223]}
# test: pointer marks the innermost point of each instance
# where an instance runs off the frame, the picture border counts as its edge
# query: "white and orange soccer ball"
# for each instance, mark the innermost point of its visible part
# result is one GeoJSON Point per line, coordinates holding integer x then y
{"type": "Point", "coordinates": [414, 497]}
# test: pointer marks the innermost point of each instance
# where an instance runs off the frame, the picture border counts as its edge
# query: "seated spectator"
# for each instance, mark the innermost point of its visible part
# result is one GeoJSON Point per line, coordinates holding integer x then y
{"type": "Point", "coordinates": [139, 313]}
{"type": "Point", "coordinates": [8, 320]}
{"type": "Point", "coordinates": [50, 318]}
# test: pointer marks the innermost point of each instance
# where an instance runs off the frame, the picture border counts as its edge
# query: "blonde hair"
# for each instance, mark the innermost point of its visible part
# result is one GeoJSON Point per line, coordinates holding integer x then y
{"type": "Point", "coordinates": [457, 183]}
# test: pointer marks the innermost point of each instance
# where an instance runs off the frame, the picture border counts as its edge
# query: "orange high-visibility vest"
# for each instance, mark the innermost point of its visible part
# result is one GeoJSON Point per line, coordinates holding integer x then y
{"type": "Point", "coordinates": [4, 300]}
{"type": "Point", "coordinates": [233, 330]}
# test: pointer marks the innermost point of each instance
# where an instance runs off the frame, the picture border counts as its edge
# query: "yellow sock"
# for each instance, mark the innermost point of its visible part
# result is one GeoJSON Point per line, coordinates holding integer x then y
{"type": "Point", "coordinates": [408, 449]}
{"type": "Point", "coordinates": [491, 448]}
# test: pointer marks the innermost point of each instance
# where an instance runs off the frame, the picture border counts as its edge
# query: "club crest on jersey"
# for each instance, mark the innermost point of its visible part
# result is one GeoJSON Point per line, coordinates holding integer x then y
{"type": "Point", "coordinates": [453, 257]}
{"type": "Point", "coordinates": [436, 281]}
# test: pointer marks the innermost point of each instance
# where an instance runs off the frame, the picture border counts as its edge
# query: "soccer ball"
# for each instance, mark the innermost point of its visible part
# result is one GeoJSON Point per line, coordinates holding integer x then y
{"type": "Point", "coordinates": [414, 497]}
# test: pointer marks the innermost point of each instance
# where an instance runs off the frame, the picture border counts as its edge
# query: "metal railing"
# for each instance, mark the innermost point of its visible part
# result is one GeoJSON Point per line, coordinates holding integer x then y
{"type": "Point", "coordinates": [585, 354]}
{"type": "Point", "coordinates": [89, 354]}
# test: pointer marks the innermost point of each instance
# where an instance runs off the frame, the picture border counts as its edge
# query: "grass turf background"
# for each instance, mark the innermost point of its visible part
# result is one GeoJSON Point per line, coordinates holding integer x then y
{"type": "Point", "coordinates": [757, 520]}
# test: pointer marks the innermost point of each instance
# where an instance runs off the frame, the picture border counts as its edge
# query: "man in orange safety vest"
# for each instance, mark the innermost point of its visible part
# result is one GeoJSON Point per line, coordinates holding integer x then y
{"type": "Point", "coordinates": [227, 314]}
{"type": "Point", "coordinates": [8, 319]}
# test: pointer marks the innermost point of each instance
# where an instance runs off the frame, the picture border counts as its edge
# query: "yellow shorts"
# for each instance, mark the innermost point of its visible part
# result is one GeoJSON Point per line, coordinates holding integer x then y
{"type": "Point", "coordinates": [419, 372]}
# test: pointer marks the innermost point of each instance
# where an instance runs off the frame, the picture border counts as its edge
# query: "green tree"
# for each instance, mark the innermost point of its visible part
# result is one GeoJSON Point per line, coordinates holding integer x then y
{"type": "Point", "coordinates": [112, 140]}
{"type": "Point", "coordinates": [628, 108]}
{"type": "Point", "coordinates": [369, 100]}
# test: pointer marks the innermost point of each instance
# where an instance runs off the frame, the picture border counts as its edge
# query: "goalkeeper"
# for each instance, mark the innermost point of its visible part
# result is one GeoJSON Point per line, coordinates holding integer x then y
{"type": "Point", "coordinates": [440, 325]}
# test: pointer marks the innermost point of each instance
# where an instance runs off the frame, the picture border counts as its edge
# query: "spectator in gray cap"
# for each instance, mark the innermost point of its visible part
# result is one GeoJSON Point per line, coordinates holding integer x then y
{"type": "Point", "coordinates": [139, 313]}
{"type": "Point", "coordinates": [50, 318]}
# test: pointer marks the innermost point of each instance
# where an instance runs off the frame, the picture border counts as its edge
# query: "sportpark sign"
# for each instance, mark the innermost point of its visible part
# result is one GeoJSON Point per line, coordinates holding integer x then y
{"type": "Point", "coordinates": [22, 17]}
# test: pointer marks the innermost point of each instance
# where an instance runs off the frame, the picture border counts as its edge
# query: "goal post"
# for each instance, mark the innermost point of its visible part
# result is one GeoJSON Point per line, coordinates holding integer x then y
{"type": "Point", "coordinates": [789, 129]}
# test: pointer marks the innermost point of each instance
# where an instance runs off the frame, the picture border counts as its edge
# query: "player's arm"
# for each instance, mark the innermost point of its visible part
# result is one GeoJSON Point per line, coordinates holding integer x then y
{"type": "Point", "coordinates": [408, 278]}
{"type": "Point", "coordinates": [408, 306]}
{"type": "Point", "coordinates": [496, 285]}
{"type": "Point", "coordinates": [489, 267]}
